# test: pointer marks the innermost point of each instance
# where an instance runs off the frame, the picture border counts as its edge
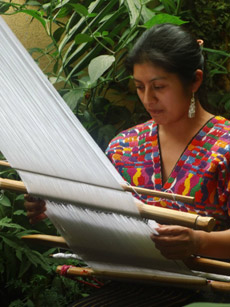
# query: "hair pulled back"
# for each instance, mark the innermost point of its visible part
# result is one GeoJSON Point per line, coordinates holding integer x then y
{"type": "Point", "coordinates": [169, 47]}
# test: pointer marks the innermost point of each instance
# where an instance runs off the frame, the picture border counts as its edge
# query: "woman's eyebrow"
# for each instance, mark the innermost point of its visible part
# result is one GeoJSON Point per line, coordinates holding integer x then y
{"type": "Point", "coordinates": [154, 79]}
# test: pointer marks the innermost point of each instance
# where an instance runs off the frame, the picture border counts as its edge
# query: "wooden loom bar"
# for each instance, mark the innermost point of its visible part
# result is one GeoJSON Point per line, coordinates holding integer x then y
{"type": "Point", "coordinates": [4, 163]}
{"type": "Point", "coordinates": [134, 276]}
{"type": "Point", "coordinates": [193, 263]}
{"type": "Point", "coordinates": [161, 215]}
{"type": "Point", "coordinates": [160, 194]}
{"type": "Point", "coordinates": [128, 188]}
{"type": "Point", "coordinates": [217, 286]}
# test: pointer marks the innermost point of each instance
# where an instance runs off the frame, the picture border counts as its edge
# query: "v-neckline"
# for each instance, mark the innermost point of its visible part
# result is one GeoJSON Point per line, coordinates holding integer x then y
{"type": "Point", "coordinates": [163, 184]}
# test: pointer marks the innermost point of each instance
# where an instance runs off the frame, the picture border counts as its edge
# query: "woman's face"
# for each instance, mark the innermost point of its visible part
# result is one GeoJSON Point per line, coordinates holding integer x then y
{"type": "Point", "coordinates": [162, 93]}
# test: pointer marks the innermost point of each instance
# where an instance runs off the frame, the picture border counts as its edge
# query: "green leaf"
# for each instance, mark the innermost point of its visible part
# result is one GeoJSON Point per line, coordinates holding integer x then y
{"type": "Point", "coordinates": [10, 243]}
{"type": "Point", "coordinates": [105, 33]}
{"type": "Point", "coordinates": [80, 9]}
{"type": "Point", "coordinates": [99, 65]}
{"type": "Point", "coordinates": [61, 4]}
{"type": "Point", "coordinates": [4, 201]}
{"type": "Point", "coordinates": [4, 7]}
{"type": "Point", "coordinates": [37, 15]}
{"type": "Point", "coordinates": [72, 97]}
{"type": "Point", "coordinates": [19, 254]}
{"type": "Point", "coordinates": [24, 266]}
{"type": "Point", "coordinates": [33, 3]}
{"type": "Point", "coordinates": [82, 38]}
{"type": "Point", "coordinates": [92, 15]}
{"type": "Point", "coordinates": [20, 197]}
{"type": "Point", "coordinates": [219, 52]}
{"type": "Point", "coordinates": [133, 10]}
{"type": "Point", "coordinates": [6, 222]}
{"type": "Point", "coordinates": [63, 12]}
{"type": "Point", "coordinates": [109, 40]}
{"type": "Point", "coordinates": [163, 18]}
{"type": "Point", "coordinates": [19, 212]}
{"type": "Point", "coordinates": [169, 6]}
{"type": "Point", "coordinates": [37, 259]}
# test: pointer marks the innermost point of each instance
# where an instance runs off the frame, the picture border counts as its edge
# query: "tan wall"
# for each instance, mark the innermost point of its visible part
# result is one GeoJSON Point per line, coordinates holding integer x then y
{"type": "Point", "coordinates": [30, 32]}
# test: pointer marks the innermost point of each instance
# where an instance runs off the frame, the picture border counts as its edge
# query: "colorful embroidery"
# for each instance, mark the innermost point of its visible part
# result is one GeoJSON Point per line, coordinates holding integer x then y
{"type": "Point", "coordinates": [202, 171]}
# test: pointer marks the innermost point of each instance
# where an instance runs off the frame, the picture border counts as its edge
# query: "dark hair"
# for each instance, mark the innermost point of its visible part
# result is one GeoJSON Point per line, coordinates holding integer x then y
{"type": "Point", "coordinates": [169, 47]}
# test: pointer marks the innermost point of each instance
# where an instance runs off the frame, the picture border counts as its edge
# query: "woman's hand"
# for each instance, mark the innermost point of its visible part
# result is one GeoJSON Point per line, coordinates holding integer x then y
{"type": "Point", "coordinates": [35, 209]}
{"type": "Point", "coordinates": [176, 242]}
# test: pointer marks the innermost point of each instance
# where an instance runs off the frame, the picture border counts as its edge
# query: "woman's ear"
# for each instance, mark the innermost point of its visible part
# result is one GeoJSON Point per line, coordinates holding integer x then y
{"type": "Point", "coordinates": [198, 80]}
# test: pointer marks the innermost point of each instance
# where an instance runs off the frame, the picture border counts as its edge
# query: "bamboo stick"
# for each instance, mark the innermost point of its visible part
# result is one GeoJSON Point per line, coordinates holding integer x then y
{"type": "Point", "coordinates": [4, 163]}
{"type": "Point", "coordinates": [174, 217]}
{"type": "Point", "coordinates": [193, 263]}
{"type": "Point", "coordinates": [48, 240]}
{"type": "Point", "coordinates": [16, 186]}
{"type": "Point", "coordinates": [161, 215]}
{"type": "Point", "coordinates": [134, 276]}
{"type": "Point", "coordinates": [160, 194]}
{"type": "Point", "coordinates": [208, 265]}
{"type": "Point", "coordinates": [217, 286]}
{"type": "Point", "coordinates": [220, 286]}
{"type": "Point", "coordinates": [12, 185]}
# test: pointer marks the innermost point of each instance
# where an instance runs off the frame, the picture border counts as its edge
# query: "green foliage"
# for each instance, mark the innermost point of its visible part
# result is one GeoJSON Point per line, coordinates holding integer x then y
{"type": "Point", "coordinates": [209, 20]}
{"type": "Point", "coordinates": [88, 43]}
{"type": "Point", "coordinates": [27, 273]}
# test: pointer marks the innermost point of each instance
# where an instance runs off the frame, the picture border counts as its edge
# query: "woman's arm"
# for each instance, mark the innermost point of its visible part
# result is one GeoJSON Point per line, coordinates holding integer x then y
{"type": "Point", "coordinates": [177, 242]}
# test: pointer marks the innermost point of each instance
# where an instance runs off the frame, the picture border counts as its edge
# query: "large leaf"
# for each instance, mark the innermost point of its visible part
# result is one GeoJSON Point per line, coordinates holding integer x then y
{"type": "Point", "coordinates": [163, 18]}
{"type": "Point", "coordinates": [6, 222]}
{"type": "Point", "coordinates": [134, 10]}
{"type": "Point", "coordinates": [37, 15]}
{"type": "Point", "coordinates": [4, 201]}
{"type": "Point", "coordinates": [80, 9]}
{"type": "Point", "coordinates": [72, 97]}
{"type": "Point", "coordinates": [99, 65]}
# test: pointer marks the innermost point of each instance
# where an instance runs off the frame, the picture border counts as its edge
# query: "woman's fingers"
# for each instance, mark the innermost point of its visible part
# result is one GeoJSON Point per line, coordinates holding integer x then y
{"type": "Point", "coordinates": [35, 209]}
{"type": "Point", "coordinates": [176, 242]}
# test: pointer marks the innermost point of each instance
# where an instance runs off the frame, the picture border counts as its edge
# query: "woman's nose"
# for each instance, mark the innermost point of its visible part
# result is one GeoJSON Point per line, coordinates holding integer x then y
{"type": "Point", "coordinates": [149, 97]}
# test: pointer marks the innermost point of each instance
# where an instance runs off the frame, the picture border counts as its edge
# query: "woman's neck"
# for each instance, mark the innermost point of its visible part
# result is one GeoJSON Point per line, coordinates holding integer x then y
{"type": "Point", "coordinates": [187, 126]}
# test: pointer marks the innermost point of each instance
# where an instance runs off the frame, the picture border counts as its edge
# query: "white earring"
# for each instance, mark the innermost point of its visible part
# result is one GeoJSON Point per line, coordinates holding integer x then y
{"type": "Point", "coordinates": [192, 107]}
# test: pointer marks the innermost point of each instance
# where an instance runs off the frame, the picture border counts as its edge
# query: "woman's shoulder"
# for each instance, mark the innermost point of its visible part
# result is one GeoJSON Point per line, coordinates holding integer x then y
{"type": "Point", "coordinates": [130, 135]}
{"type": "Point", "coordinates": [138, 129]}
{"type": "Point", "coordinates": [135, 131]}
{"type": "Point", "coordinates": [221, 121]}
{"type": "Point", "coordinates": [221, 125]}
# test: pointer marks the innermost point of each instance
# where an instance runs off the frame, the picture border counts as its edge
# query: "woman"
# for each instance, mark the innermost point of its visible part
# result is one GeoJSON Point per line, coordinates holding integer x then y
{"type": "Point", "coordinates": [183, 149]}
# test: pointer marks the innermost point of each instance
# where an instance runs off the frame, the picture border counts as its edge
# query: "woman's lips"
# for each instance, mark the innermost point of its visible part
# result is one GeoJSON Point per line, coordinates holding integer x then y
{"type": "Point", "coordinates": [155, 112]}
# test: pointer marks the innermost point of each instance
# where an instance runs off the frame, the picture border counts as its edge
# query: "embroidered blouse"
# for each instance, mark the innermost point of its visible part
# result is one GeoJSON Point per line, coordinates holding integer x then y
{"type": "Point", "coordinates": [202, 171]}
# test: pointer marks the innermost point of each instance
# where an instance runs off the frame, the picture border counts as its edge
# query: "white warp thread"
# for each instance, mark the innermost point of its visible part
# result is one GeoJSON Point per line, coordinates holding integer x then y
{"type": "Point", "coordinates": [58, 160]}
{"type": "Point", "coordinates": [40, 135]}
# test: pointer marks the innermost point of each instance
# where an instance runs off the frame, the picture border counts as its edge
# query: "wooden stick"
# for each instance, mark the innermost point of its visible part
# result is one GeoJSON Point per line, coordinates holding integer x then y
{"type": "Point", "coordinates": [132, 276]}
{"type": "Point", "coordinates": [208, 265]}
{"type": "Point", "coordinates": [217, 286]}
{"type": "Point", "coordinates": [161, 215]}
{"type": "Point", "coordinates": [52, 241]}
{"type": "Point", "coordinates": [220, 286]}
{"type": "Point", "coordinates": [193, 263]}
{"type": "Point", "coordinates": [160, 194]}
{"type": "Point", "coordinates": [12, 185]}
{"type": "Point", "coordinates": [174, 217]}
{"type": "Point", "coordinates": [4, 163]}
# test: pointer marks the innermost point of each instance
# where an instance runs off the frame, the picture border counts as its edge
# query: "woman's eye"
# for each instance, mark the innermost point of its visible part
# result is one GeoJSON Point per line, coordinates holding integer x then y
{"type": "Point", "coordinates": [139, 87]}
{"type": "Point", "coordinates": [159, 87]}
